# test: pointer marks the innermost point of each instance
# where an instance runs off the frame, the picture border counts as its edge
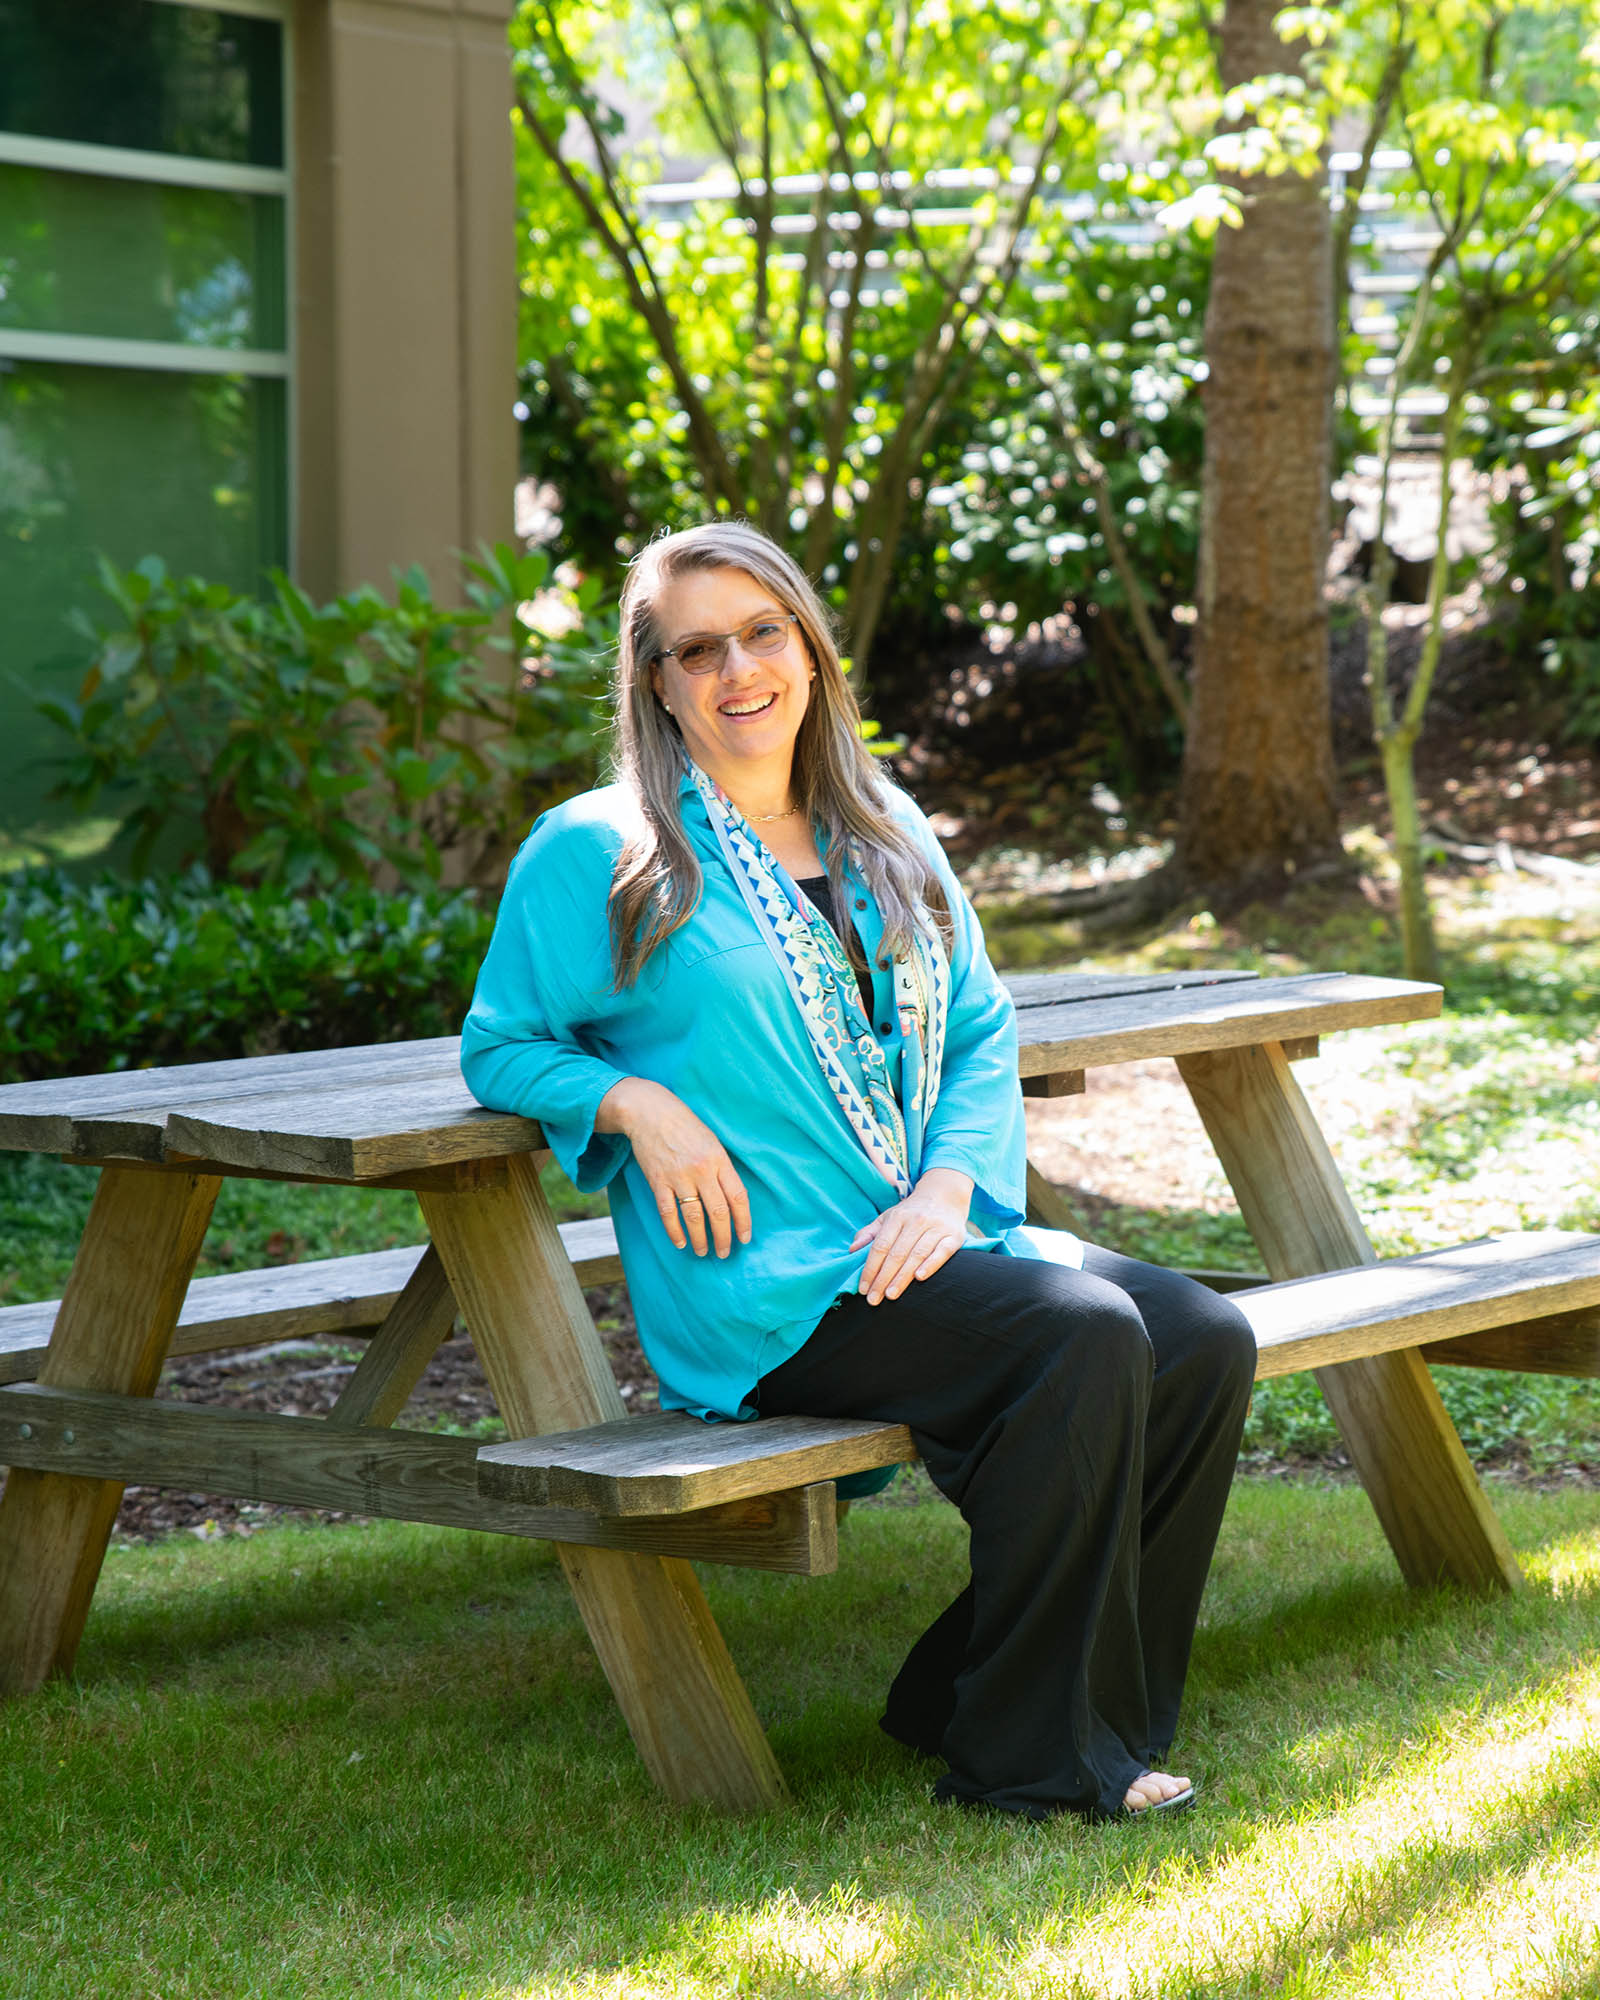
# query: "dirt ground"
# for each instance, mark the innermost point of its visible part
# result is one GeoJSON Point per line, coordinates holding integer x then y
{"type": "Point", "coordinates": [995, 747]}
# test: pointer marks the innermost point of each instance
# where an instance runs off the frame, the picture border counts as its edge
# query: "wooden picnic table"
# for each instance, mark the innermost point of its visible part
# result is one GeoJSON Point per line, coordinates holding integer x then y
{"type": "Point", "coordinates": [399, 1116]}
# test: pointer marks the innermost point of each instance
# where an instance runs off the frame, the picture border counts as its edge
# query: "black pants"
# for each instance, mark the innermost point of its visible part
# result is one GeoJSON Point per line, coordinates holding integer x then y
{"type": "Point", "coordinates": [1086, 1423]}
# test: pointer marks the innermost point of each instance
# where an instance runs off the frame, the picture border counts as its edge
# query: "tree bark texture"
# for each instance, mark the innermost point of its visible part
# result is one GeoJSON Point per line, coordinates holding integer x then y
{"type": "Point", "coordinates": [1257, 801]}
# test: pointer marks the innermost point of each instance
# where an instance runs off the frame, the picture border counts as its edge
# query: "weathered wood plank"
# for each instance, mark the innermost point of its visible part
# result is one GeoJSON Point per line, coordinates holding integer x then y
{"type": "Point", "coordinates": [1564, 1344]}
{"type": "Point", "coordinates": [666, 1463]}
{"type": "Point", "coordinates": [125, 1111]}
{"type": "Point", "coordinates": [1402, 1443]}
{"type": "Point", "coordinates": [357, 1135]}
{"type": "Point", "coordinates": [1060, 1083]}
{"type": "Point", "coordinates": [1056, 989]}
{"type": "Point", "coordinates": [399, 1475]}
{"type": "Point", "coordinates": [457, 1177]}
{"type": "Point", "coordinates": [117, 1314]}
{"type": "Point", "coordinates": [667, 1663]}
{"type": "Point", "coordinates": [369, 1114]}
{"type": "Point", "coordinates": [334, 1295]}
{"type": "Point", "coordinates": [1444, 1294]}
{"type": "Point", "coordinates": [670, 1462]}
{"type": "Point", "coordinates": [123, 1114]}
{"type": "Point", "coordinates": [364, 1134]}
{"type": "Point", "coordinates": [1047, 1205]}
{"type": "Point", "coordinates": [399, 1352]}
{"type": "Point", "coordinates": [41, 1116]}
{"type": "Point", "coordinates": [1090, 1033]}
{"type": "Point", "coordinates": [243, 1308]}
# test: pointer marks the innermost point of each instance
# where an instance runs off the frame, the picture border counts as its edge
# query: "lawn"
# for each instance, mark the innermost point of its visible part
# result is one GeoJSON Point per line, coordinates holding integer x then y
{"type": "Point", "coordinates": [381, 1760]}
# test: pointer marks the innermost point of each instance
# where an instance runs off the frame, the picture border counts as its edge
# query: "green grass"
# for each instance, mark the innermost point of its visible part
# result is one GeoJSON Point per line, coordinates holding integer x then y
{"type": "Point", "coordinates": [381, 1760]}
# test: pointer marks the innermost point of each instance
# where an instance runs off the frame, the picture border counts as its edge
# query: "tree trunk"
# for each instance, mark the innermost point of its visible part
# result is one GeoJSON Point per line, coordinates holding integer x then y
{"type": "Point", "coordinates": [1417, 935]}
{"type": "Point", "coordinates": [1257, 799]}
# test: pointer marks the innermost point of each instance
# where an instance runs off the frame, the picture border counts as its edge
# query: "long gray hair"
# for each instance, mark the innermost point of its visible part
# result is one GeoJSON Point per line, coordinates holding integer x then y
{"type": "Point", "coordinates": [656, 885]}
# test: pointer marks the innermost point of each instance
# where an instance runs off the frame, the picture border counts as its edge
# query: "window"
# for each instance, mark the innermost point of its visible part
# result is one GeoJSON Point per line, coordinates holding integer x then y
{"type": "Point", "coordinates": [144, 365]}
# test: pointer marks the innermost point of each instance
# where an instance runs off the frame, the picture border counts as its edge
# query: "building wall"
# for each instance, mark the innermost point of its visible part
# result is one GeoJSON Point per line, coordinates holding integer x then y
{"type": "Point", "coordinates": [144, 363]}
{"type": "Point", "coordinates": [146, 167]}
{"type": "Point", "coordinates": [405, 288]}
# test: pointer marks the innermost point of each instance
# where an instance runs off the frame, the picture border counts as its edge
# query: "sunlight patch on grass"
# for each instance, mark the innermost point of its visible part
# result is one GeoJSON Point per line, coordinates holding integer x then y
{"type": "Point", "coordinates": [832, 1942]}
{"type": "Point", "coordinates": [1567, 1566]}
{"type": "Point", "coordinates": [840, 1942]}
{"type": "Point", "coordinates": [1533, 1933]}
{"type": "Point", "coordinates": [383, 1760]}
{"type": "Point", "coordinates": [1351, 1888]}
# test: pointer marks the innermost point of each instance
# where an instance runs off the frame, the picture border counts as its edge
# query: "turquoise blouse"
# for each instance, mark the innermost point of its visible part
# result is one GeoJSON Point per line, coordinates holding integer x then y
{"type": "Point", "coordinates": [711, 1019]}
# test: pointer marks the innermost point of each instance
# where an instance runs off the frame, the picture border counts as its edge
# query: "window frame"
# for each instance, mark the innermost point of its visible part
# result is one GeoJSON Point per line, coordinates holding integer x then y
{"type": "Point", "coordinates": [180, 170]}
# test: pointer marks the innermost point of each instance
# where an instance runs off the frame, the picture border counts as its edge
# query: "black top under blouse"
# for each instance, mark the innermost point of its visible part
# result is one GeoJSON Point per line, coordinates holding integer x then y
{"type": "Point", "coordinates": [820, 890]}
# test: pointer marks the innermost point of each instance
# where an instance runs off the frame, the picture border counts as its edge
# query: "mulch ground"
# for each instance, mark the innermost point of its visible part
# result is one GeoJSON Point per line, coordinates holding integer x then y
{"type": "Point", "coordinates": [1003, 748]}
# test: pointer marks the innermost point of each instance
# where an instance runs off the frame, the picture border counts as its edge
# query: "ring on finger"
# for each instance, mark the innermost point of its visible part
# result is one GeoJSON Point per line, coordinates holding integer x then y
{"type": "Point", "coordinates": [690, 1200]}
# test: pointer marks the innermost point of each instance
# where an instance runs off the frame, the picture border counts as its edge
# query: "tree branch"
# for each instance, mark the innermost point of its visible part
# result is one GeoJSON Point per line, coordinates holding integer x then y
{"type": "Point", "coordinates": [1094, 477]}
{"type": "Point", "coordinates": [1383, 103]}
{"type": "Point", "coordinates": [1548, 277]}
{"type": "Point", "coordinates": [1439, 572]}
{"type": "Point", "coordinates": [716, 469]}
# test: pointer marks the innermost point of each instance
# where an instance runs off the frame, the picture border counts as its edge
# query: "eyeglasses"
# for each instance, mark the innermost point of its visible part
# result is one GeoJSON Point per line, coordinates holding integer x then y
{"type": "Point", "coordinates": [706, 651]}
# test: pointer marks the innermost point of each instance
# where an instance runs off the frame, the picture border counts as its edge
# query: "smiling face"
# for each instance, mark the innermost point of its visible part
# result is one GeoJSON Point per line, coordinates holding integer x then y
{"type": "Point", "coordinates": [740, 722]}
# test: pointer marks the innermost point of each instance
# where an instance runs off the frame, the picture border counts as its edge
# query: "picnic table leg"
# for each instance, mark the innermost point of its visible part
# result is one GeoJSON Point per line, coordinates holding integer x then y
{"type": "Point", "coordinates": [1398, 1433]}
{"type": "Point", "coordinates": [112, 1332]}
{"type": "Point", "coordinates": [647, 1615]}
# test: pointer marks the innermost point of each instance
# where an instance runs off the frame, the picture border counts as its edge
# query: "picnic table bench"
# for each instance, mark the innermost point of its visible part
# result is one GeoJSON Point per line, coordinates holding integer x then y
{"type": "Point", "coordinates": [628, 1500]}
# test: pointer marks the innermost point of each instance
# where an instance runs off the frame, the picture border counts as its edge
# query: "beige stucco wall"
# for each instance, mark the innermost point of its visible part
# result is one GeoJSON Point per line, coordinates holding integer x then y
{"type": "Point", "coordinates": [405, 286]}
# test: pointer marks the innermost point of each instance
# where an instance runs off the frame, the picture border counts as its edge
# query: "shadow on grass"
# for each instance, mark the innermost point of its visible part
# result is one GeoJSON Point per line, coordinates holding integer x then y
{"type": "Point", "coordinates": [346, 1744]}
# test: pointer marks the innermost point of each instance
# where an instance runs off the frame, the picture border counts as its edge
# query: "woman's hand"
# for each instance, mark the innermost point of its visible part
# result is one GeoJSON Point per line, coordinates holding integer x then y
{"type": "Point", "coordinates": [683, 1160]}
{"type": "Point", "coordinates": [915, 1237]}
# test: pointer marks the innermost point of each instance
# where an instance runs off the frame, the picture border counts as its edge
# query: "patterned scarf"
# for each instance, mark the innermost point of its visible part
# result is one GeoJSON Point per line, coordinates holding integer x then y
{"type": "Point", "coordinates": [822, 984]}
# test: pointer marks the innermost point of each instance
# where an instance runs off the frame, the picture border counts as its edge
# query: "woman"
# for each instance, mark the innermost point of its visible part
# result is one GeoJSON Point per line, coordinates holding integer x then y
{"type": "Point", "coordinates": [742, 988]}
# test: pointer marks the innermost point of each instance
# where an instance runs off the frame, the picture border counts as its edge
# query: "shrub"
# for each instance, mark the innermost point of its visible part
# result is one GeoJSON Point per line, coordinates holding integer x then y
{"type": "Point", "coordinates": [110, 974]}
{"type": "Point", "coordinates": [828, 342]}
{"type": "Point", "coordinates": [1542, 454]}
{"type": "Point", "coordinates": [318, 743]}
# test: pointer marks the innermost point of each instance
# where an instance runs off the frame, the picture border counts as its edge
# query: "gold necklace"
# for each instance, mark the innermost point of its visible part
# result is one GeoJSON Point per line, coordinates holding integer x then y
{"type": "Point", "coordinates": [766, 819]}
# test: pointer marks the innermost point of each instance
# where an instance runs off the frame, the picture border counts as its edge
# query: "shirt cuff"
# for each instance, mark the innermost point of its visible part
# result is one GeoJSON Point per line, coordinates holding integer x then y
{"type": "Point", "coordinates": [996, 1202]}
{"type": "Point", "coordinates": [588, 1158]}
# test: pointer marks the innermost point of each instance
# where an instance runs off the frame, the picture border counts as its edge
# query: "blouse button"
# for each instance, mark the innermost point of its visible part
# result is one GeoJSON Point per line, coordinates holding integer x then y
{"type": "Point", "coordinates": [861, 902]}
{"type": "Point", "coordinates": [883, 1027]}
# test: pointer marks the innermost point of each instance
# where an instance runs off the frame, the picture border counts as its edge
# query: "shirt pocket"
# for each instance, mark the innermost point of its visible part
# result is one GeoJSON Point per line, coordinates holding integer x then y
{"type": "Point", "coordinates": [687, 948]}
